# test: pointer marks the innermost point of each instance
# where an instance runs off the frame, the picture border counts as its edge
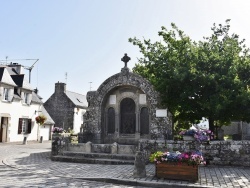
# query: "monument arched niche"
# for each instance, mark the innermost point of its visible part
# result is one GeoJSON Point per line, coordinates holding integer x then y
{"type": "Point", "coordinates": [126, 102]}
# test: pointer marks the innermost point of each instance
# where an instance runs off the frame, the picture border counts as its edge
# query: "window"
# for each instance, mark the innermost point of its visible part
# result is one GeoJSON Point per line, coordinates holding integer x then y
{"type": "Point", "coordinates": [24, 126]}
{"type": "Point", "coordinates": [144, 121]}
{"type": "Point", "coordinates": [111, 120]}
{"type": "Point", "coordinates": [26, 98]}
{"type": "Point", "coordinates": [6, 94]}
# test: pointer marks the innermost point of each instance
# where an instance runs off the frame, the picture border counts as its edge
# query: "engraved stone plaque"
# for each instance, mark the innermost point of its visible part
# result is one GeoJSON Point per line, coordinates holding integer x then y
{"type": "Point", "coordinates": [142, 99]}
{"type": "Point", "coordinates": [161, 113]}
{"type": "Point", "coordinates": [112, 99]}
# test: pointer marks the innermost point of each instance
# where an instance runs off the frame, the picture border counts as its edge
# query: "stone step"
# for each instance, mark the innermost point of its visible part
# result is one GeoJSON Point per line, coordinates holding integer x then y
{"type": "Point", "coordinates": [247, 137]}
{"type": "Point", "coordinates": [99, 155]}
{"type": "Point", "coordinates": [63, 158]}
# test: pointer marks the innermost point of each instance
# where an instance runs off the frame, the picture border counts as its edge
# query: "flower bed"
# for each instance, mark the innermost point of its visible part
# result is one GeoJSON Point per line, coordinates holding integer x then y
{"type": "Point", "coordinates": [176, 165]}
{"type": "Point", "coordinates": [57, 130]}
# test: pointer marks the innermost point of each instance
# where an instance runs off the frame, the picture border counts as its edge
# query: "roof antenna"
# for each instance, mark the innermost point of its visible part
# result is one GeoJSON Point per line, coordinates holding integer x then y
{"type": "Point", "coordinates": [66, 77]}
{"type": "Point", "coordinates": [30, 68]}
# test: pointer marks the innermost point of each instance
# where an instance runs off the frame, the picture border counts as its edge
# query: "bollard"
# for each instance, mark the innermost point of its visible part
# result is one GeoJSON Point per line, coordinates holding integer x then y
{"type": "Point", "coordinates": [114, 148]}
{"type": "Point", "coordinates": [25, 140]}
{"type": "Point", "coordinates": [41, 139]}
{"type": "Point", "coordinates": [88, 147]}
{"type": "Point", "coordinates": [139, 166]}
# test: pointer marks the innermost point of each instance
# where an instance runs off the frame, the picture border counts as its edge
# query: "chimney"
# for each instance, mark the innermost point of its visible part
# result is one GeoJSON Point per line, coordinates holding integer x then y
{"type": "Point", "coordinates": [18, 68]}
{"type": "Point", "coordinates": [36, 91]}
{"type": "Point", "coordinates": [60, 87]}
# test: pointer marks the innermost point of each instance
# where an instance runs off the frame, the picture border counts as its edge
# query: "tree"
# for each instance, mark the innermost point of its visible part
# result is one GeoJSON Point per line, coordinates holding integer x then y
{"type": "Point", "coordinates": [207, 78]}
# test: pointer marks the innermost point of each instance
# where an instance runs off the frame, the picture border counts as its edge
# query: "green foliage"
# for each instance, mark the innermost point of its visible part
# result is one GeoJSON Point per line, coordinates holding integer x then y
{"type": "Point", "coordinates": [71, 131]}
{"type": "Point", "coordinates": [207, 78]}
{"type": "Point", "coordinates": [157, 155]}
{"type": "Point", "coordinates": [227, 137]}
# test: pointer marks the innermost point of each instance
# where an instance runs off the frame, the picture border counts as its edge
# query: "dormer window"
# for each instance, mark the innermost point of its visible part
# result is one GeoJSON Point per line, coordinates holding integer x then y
{"type": "Point", "coordinates": [7, 94]}
{"type": "Point", "coordinates": [26, 98]}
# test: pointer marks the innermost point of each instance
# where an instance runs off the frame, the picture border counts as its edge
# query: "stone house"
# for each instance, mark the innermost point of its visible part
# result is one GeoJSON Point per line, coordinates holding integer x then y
{"type": "Point", "coordinates": [19, 106]}
{"type": "Point", "coordinates": [66, 108]}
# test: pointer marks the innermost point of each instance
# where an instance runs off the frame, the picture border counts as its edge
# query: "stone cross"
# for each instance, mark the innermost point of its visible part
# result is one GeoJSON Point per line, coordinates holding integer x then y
{"type": "Point", "coordinates": [125, 59]}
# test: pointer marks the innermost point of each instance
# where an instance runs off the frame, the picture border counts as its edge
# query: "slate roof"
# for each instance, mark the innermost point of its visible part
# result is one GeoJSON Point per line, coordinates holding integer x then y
{"type": "Point", "coordinates": [78, 99]}
{"type": "Point", "coordinates": [36, 98]}
{"type": "Point", "coordinates": [12, 71]}
{"type": "Point", "coordinates": [5, 77]}
{"type": "Point", "coordinates": [21, 82]}
{"type": "Point", "coordinates": [16, 96]}
{"type": "Point", "coordinates": [49, 120]}
{"type": "Point", "coordinates": [1, 73]}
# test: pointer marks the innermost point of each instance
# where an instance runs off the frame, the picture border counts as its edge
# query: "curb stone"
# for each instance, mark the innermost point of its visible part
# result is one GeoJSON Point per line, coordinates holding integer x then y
{"type": "Point", "coordinates": [139, 183]}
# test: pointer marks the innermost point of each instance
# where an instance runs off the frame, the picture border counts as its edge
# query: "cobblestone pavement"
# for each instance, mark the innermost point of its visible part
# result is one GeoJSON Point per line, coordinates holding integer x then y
{"type": "Point", "coordinates": [30, 166]}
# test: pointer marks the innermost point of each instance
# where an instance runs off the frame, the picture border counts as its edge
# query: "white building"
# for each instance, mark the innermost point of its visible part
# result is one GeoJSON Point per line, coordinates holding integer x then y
{"type": "Point", "coordinates": [19, 106]}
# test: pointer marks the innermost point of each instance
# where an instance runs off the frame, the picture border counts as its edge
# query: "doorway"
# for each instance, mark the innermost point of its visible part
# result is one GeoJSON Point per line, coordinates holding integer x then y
{"type": "Point", "coordinates": [3, 129]}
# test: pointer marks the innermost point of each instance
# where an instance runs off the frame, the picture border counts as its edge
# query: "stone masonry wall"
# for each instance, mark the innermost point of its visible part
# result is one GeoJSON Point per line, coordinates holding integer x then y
{"type": "Point", "coordinates": [236, 153]}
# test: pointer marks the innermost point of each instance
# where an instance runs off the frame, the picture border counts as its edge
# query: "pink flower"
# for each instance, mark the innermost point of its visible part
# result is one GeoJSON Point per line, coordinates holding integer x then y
{"type": "Point", "coordinates": [186, 156]}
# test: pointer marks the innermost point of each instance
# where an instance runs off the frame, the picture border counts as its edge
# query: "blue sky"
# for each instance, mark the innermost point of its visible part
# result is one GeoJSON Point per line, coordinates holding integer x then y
{"type": "Point", "coordinates": [88, 38]}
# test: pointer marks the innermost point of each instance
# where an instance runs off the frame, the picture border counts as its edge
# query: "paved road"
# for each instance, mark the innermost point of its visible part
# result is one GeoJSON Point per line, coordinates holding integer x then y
{"type": "Point", "coordinates": [30, 166]}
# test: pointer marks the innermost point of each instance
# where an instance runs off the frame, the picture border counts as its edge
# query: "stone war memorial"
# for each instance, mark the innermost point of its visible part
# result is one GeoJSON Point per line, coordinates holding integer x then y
{"type": "Point", "coordinates": [123, 110]}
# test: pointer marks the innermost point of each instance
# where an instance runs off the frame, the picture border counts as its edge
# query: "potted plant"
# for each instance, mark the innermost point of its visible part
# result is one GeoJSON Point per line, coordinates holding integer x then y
{"type": "Point", "coordinates": [41, 119]}
{"type": "Point", "coordinates": [187, 134]}
{"type": "Point", "coordinates": [176, 165]}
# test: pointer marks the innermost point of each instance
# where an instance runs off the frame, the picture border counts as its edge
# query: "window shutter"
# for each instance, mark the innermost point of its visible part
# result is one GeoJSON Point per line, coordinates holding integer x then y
{"type": "Point", "coordinates": [22, 96]}
{"type": "Point", "coordinates": [29, 125]}
{"type": "Point", "coordinates": [20, 125]}
{"type": "Point", "coordinates": [29, 98]}
{"type": "Point", "coordinates": [11, 94]}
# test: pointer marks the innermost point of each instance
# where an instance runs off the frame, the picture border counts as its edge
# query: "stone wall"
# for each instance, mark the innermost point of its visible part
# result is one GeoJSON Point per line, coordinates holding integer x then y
{"type": "Point", "coordinates": [235, 153]}
{"type": "Point", "coordinates": [101, 148]}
